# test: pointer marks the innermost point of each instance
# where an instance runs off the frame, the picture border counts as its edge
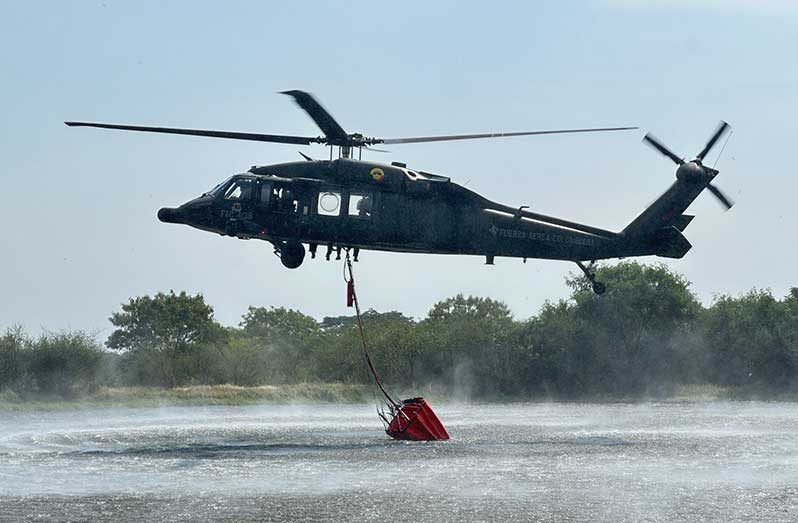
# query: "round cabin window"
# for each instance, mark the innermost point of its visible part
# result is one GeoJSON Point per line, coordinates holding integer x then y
{"type": "Point", "coordinates": [329, 202]}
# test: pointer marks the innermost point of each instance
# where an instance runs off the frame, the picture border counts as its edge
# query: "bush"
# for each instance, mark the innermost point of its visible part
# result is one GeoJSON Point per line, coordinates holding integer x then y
{"type": "Point", "coordinates": [65, 364]}
{"type": "Point", "coordinates": [11, 368]}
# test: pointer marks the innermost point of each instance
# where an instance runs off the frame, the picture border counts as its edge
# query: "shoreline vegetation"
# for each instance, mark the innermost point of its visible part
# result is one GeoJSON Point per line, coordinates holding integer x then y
{"type": "Point", "coordinates": [333, 394]}
{"type": "Point", "coordinates": [647, 338]}
{"type": "Point", "coordinates": [196, 395]}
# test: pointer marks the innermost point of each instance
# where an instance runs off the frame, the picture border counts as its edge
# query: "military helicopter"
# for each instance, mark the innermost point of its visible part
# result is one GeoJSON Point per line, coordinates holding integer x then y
{"type": "Point", "coordinates": [344, 203]}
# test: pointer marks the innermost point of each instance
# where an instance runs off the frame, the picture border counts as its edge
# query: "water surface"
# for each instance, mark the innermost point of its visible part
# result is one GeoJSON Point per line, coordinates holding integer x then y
{"type": "Point", "coordinates": [735, 461]}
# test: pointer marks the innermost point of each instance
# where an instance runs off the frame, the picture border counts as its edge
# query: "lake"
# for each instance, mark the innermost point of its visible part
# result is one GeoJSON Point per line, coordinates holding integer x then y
{"type": "Point", "coordinates": [717, 461]}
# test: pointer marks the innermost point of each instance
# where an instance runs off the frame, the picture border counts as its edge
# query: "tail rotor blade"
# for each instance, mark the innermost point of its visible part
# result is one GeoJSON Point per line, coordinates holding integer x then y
{"type": "Point", "coordinates": [712, 141]}
{"type": "Point", "coordinates": [656, 144]}
{"type": "Point", "coordinates": [724, 200]}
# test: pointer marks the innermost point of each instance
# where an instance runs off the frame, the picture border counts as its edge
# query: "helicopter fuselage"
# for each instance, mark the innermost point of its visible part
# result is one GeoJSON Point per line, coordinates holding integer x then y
{"type": "Point", "coordinates": [355, 204]}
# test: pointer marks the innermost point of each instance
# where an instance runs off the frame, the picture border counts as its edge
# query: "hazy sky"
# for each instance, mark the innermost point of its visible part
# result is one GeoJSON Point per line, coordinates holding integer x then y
{"type": "Point", "coordinates": [79, 205]}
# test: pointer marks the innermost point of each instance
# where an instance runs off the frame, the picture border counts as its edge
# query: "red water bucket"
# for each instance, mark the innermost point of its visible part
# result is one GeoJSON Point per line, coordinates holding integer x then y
{"type": "Point", "coordinates": [415, 420]}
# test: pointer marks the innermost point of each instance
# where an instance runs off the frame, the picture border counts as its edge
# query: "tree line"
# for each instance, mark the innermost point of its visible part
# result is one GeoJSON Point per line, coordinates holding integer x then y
{"type": "Point", "coordinates": [647, 336]}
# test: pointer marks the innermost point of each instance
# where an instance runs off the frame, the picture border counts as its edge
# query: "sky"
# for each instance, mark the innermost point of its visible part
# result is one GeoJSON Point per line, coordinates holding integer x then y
{"type": "Point", "coordinates": [81, 235]}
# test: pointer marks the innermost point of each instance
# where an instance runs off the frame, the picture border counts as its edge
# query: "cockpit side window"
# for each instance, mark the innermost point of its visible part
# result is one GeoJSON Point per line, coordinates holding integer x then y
{"type": "Point", "coordinates": [239, 190]}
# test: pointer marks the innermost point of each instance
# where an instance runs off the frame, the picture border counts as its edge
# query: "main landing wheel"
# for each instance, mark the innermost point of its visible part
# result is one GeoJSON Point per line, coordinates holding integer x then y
{"type": "Point", "coordinates": [599, 287]}
{"type": "Point", "coordinates": [292, 255]}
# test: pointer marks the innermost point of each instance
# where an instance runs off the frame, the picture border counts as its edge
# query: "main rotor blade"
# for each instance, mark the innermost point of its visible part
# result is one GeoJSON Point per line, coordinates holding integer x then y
{"type": "Point", "coordinates": [712, 141]}
{"type": "Point", "coordinates": [421, 139]}
{"type": "Point", "coordinates": [656, 144]}
{"type": "Point", "coordinates": [254, 137]}
{"type": "Point", "coordinates": [720, 196]}
{"type": "Point", "coordinates": [334, 132]}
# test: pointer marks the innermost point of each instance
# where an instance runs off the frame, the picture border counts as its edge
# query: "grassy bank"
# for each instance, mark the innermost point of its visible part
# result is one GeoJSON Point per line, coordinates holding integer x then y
{"type": "Point", "coordinates": [197, 395]}
{"type": "Point", "coordinates": [327, 393]}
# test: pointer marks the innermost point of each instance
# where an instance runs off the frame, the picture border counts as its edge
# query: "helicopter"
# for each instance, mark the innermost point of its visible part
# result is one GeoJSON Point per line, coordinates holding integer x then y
{"type": "Point", "coordinates": [353, 204]}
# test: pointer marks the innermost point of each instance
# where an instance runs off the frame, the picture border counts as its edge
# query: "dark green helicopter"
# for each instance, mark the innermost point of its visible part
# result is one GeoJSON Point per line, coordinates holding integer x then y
{"type": "Point", "coordinates": [345, 203]}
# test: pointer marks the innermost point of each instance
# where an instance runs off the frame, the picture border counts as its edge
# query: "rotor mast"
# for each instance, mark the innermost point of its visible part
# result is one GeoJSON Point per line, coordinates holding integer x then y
{"type": "Point", "coordinates": [334, 134]}
{"type": "Point", "coordinates": [332, 130]}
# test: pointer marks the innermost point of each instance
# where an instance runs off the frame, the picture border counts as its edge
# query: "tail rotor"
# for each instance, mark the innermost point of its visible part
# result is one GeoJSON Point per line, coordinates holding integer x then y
{"type": "Point", "coordinates": [695, 170]}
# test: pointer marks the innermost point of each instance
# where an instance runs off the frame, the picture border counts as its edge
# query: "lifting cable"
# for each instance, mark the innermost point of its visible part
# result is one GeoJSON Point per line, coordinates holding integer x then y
{"type": "Point", "coordinates": [351, 299]}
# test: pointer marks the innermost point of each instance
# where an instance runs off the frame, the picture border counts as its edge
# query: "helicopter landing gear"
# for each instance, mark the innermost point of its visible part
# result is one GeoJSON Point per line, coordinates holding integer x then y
{"type": "Point", "coordinates": [598, 287]}
{"type": "Point", "coordinates": [291, 254]}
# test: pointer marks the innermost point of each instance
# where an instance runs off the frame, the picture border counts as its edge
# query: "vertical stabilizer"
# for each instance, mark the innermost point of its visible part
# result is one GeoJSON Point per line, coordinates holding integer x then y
{"type": "Point", "coordinates": [667, 211]}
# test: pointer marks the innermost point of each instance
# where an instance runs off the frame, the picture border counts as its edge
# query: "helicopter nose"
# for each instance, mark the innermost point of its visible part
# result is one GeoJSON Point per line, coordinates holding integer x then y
{"type": "Point", "coordinates": [169, 215]}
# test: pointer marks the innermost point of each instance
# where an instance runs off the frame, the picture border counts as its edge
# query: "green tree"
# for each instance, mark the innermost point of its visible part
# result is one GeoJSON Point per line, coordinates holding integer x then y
{"type": "Point", "coordinates": [339, 357]}
{"type": "Point", "coordinates": [471, 344]}
{"type": "Point", "coordinates": [157, 332]}
{"type": "Point", "coordinates": [551, 361]}
{"type": "Point", "coordinates": [286, 339]}
{"type": "Point", "coordinates": [752, 340]}
{"type": "Point", "coordinates": [65, 364]}
{"type": "Point", "coordinates": [389, 336]}
{"type": "Point", "coordinates": [631, 336]}
{"type": "Point", "coordinates": [245, 362]}
{"type": "Point", "coordinates": [392, 344]}
{"type": "Point", "coordinates": [337, 323]}
{"type": "Point", "coordinates": [472, 308]}
{"type": "Point", "coordinates": [12, 344]}
{"type": "Point", "coordinates": [278, 322]}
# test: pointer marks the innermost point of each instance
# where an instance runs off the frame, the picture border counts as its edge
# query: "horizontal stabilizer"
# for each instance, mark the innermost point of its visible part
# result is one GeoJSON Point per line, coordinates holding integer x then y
{"type": "Point", "coordinates": [671, 243]}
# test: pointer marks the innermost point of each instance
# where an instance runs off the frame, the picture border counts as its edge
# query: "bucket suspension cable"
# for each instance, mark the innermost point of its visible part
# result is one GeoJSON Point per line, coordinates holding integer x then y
{"type": "Point", "coordinates": [351, 299]}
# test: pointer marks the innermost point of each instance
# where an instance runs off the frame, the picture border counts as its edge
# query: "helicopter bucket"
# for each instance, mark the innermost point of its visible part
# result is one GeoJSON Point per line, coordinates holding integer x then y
{"type": "Point", "coordinates": [414, 420]}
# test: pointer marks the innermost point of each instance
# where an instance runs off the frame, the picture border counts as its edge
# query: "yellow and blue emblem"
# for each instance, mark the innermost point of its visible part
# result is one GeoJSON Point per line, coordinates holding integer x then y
{"type": "Point", "coordinates": [378, 174]}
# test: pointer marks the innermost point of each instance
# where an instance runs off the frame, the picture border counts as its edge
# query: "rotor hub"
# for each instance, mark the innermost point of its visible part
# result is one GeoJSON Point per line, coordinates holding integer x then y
{"type": "Point", "coordinates": [691, 172]}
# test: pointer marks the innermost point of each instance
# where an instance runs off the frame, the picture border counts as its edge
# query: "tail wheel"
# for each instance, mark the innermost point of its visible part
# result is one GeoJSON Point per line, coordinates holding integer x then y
{"type": "Point", "coordinates": [292, 255]}
{"type": "Point", "coordinates": [598, 287]}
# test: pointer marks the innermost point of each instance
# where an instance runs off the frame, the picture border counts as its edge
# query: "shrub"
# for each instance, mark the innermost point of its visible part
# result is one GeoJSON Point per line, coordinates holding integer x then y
{"type": "Point", "coordinates": [64, 364]}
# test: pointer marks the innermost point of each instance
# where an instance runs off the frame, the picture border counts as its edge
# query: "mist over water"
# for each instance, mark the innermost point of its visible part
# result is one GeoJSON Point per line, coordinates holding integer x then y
{"type": "Point", "coordinates": [721, 461]}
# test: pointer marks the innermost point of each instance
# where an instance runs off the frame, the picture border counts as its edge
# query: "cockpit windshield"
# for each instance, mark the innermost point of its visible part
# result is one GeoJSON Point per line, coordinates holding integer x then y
{"type": "Point", "coordinates": [219, 189]}
{"type": "Point", "coordinates": [240, 189]}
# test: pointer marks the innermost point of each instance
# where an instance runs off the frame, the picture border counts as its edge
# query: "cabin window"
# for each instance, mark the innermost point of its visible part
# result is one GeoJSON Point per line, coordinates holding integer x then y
{"type": "Point", "coordinates": [239, 190]}
{"type": "Point", "coordinates": [284, 198]}
{"type": "Point", "coordinates": [361, 205]}
{"type": "Point", "coordinates": [329, 204]}
{"type": "Point", "coordinates": [265, 193]}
